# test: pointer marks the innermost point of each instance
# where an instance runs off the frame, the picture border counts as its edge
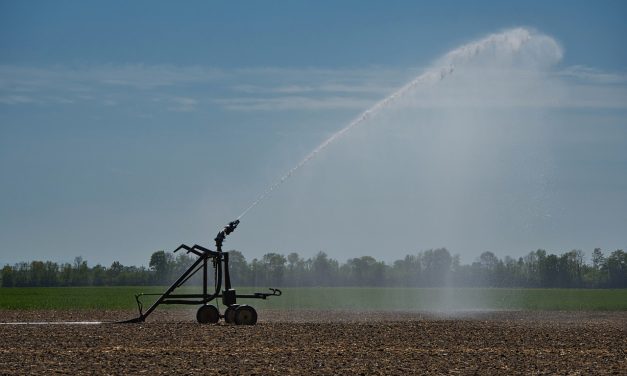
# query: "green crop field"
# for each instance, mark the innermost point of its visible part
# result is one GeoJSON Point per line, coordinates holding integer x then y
{"type": "Point", "coordinates": [423, 299]}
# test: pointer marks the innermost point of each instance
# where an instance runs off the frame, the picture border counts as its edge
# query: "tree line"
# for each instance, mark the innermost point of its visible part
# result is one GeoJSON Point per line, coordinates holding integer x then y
{"type": "Point", "coordinates": [430, 268]}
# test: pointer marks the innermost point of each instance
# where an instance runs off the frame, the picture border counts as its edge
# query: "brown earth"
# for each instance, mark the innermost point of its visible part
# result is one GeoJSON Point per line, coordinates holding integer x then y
{"type": "Point", "coordinates": [318, 343]}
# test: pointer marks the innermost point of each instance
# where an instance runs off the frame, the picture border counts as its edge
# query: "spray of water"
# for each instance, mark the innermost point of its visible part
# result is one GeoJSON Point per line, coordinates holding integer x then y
{"type": "Point", "coordinates": [508, 42]}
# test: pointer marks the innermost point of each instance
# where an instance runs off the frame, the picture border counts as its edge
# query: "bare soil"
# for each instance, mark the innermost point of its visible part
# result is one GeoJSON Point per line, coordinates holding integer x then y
{"type": "Point", "coordinates": [317, 343]}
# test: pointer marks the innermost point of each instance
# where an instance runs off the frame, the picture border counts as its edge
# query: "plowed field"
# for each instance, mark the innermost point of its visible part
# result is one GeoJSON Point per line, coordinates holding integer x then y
{"type": "Point", "coordinates": [317, 342]}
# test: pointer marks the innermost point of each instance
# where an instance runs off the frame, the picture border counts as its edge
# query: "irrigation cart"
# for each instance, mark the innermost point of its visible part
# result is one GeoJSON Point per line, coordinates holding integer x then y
{"type": "Point", "coordinates": [240, 314]}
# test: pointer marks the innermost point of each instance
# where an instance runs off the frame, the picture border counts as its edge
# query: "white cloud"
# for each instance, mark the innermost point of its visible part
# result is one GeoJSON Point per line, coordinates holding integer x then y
{"type": "Point", "coordinates": [282, 89]}
{"type": "Point", "coordinates": [137, 76]}
{"type": "Point", "coordinates": [13, 99]}
{"type": "Point", "coordinates": [285, 103]}
{"type": "Point", "coordinates": [182, 104]}
{"type": "Point", "coordinates": [592, 75]}
{"type": "Point", "coordinates": [361, 88]}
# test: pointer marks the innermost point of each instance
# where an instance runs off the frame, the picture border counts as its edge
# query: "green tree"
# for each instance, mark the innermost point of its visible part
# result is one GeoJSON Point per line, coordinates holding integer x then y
{"type": "Point", "coordinates": [366, 271]}
{"type": "Point", "coordinates": [65, 275]}
{"type": "Point", "coordinates": [324, 270]}
{"type": "Point", "coordinates": [22, 275]}
{"type": "Point", "coordinates": [406, 272]}
{"type": "Point", "coordinates": [257, 273]}
{"type": "Point", "coordinates": [437, 266]}
{"type": "Point", "coordinates": [113, 273]}
{"type": "Point", "coordinates": [296, 274]}
{"type": "Point", "coordinates": [617, 269]}
{"type": "Point", "coordinates": [7, 276]}
{"type": "Point", "coordinates": [571, 269]}
{"type": "Point", "coordinates": [549, 271]}
{"type": "Point", "coordinates": [161, 263]}
{"type": "Point", "coordinates": [597, 276]}
{"type": "Point", "coordinates": [274, 265]}
{"type": "Point", "coordinates": [37, 273]}
{"type": "Point", "coordinates": [99, 275]}
{"type": "Point", "coordinates": [489, 269]}
{"type": "Point", "coordinates": [80, 273]}
{"type": "Point", "coordinates": [239, 269]}
{"type": "Point", "coordinates": [180, 264]}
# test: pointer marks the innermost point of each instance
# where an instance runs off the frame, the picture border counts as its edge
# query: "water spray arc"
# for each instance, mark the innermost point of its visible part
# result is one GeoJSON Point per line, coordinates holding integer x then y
{"type": "Point", "coordinates": [510, 41]}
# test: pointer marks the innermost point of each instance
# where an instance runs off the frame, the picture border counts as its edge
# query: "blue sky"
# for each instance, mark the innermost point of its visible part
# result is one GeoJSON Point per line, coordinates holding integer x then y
{"type": "Point", "coordinates": [126, 128]}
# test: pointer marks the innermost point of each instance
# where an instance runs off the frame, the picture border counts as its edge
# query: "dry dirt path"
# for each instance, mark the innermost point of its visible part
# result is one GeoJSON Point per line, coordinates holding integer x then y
{"type": "Point", "coordinates": [318, 343]}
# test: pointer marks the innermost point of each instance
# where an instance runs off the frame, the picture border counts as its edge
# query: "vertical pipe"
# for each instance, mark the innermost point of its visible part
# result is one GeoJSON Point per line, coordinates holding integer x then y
{"type": "Point", "coordinates": [227, 276]}
{"type": "Point", "coordinates": [204, 279]}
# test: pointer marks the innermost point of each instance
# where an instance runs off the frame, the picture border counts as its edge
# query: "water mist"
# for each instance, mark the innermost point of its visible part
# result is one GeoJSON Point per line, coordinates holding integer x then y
{"type": "Point", "coordinates": [515, 52]}
{"type": "Point", "coordinates": [507, 43]}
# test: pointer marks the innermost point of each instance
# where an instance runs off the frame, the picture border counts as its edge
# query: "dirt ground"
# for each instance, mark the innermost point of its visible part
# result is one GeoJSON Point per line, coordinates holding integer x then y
{"type": "Point", "coordinates": [317, 343]}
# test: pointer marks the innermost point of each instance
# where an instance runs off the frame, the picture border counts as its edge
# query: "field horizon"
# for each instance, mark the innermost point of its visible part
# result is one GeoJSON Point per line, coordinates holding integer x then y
{"type": "Point", "coordinates": [335, 298]}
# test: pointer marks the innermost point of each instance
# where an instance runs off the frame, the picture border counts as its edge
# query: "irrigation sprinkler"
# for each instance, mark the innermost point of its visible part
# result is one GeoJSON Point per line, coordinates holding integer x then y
{"type": "Point", "coordinates": [239, 314]}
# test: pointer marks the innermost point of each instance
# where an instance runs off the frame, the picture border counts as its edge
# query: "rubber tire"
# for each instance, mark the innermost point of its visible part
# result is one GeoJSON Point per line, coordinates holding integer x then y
{"type": "Point", "coordinates": [229, 314]}
{"type": "Point", "coordinates": [245, 315]}
{"type": "Point", "coordinates": [208, 314]}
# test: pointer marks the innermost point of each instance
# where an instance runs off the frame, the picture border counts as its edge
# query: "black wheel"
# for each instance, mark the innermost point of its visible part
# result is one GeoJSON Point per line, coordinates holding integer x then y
{"type": "Point", "coordinates": [245, 315]}
{"type": "Point", "coordinates": [229, 314]}
{"type": "Point", "coordinates": [208, 314]}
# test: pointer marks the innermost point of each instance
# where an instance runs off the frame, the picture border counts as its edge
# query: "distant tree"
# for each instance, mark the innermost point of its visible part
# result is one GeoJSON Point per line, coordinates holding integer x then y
{"type": "Point", "coordinates": [437, 266]}
{"type": "Point", "coordinates": [549, 271]}
{"type": "Point", "coordinates": [297, 273]}
{"type": "Point", "coordinates": [324, 270]}
{"type": "Point", "coordinates": [489, 261]}
{"type": "Point", "coordinates": [456, 263]}
{"type": "Point", "coordinates": [597, 274]}
{"type": "Point", "coordinates": [7, 276]}
{"type": "Point", "coordinates": [179, 265]}
{"type": "Point", "coordinates": [257, 273]}
{"type": "Point", "coordinates": [509, 274]}
{"type": "Point", "coordinates": [113, 273]}
{"type": "Point", "coordinates": [274, 265]}
{"type": "Point", "coordinates": [489, 268]}
{"type": "Point", "coordinates": [598, 259]}
{"type": "Point", "coordinates": [571, 269]}
{"type": "Point", "coordinates": [22, 275]}
{"type": "Point", "coordinates": [65, 275]}
{"type": "Point", "coordinates": [406, 272]}
{"type": "Point", "coordinates": [161, 263]}
{"type": "Point", "coordinates": [366, 271]}
{"type": "Point", "coordinates": [239, 269]}
{"type": "Point", "coordinates": [530, 270]}
{"type": "Point", "coordinates": [80, 273]}
{"type": "Point", "coordinates": [99, 275]}
{"type": "Point", "coordinates": [617, 269]}
{"type": "Point", "coordinates": [37, 273]}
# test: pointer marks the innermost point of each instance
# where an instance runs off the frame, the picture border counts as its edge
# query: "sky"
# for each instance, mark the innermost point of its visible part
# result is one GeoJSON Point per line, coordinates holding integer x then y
{"type": "Point", "coordinates": [132, 127]}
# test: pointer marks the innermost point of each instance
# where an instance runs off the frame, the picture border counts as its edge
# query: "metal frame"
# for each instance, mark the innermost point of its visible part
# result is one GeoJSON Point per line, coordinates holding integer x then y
{"type": "Point", "coordinates": [220, 262]}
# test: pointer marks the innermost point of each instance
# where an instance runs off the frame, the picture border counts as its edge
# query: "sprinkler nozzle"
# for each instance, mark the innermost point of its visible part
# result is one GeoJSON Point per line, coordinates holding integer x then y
{"type": "Point", "coordinates": [226, 231]}
{"type": "Point", "coordinates": [231, 227]}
